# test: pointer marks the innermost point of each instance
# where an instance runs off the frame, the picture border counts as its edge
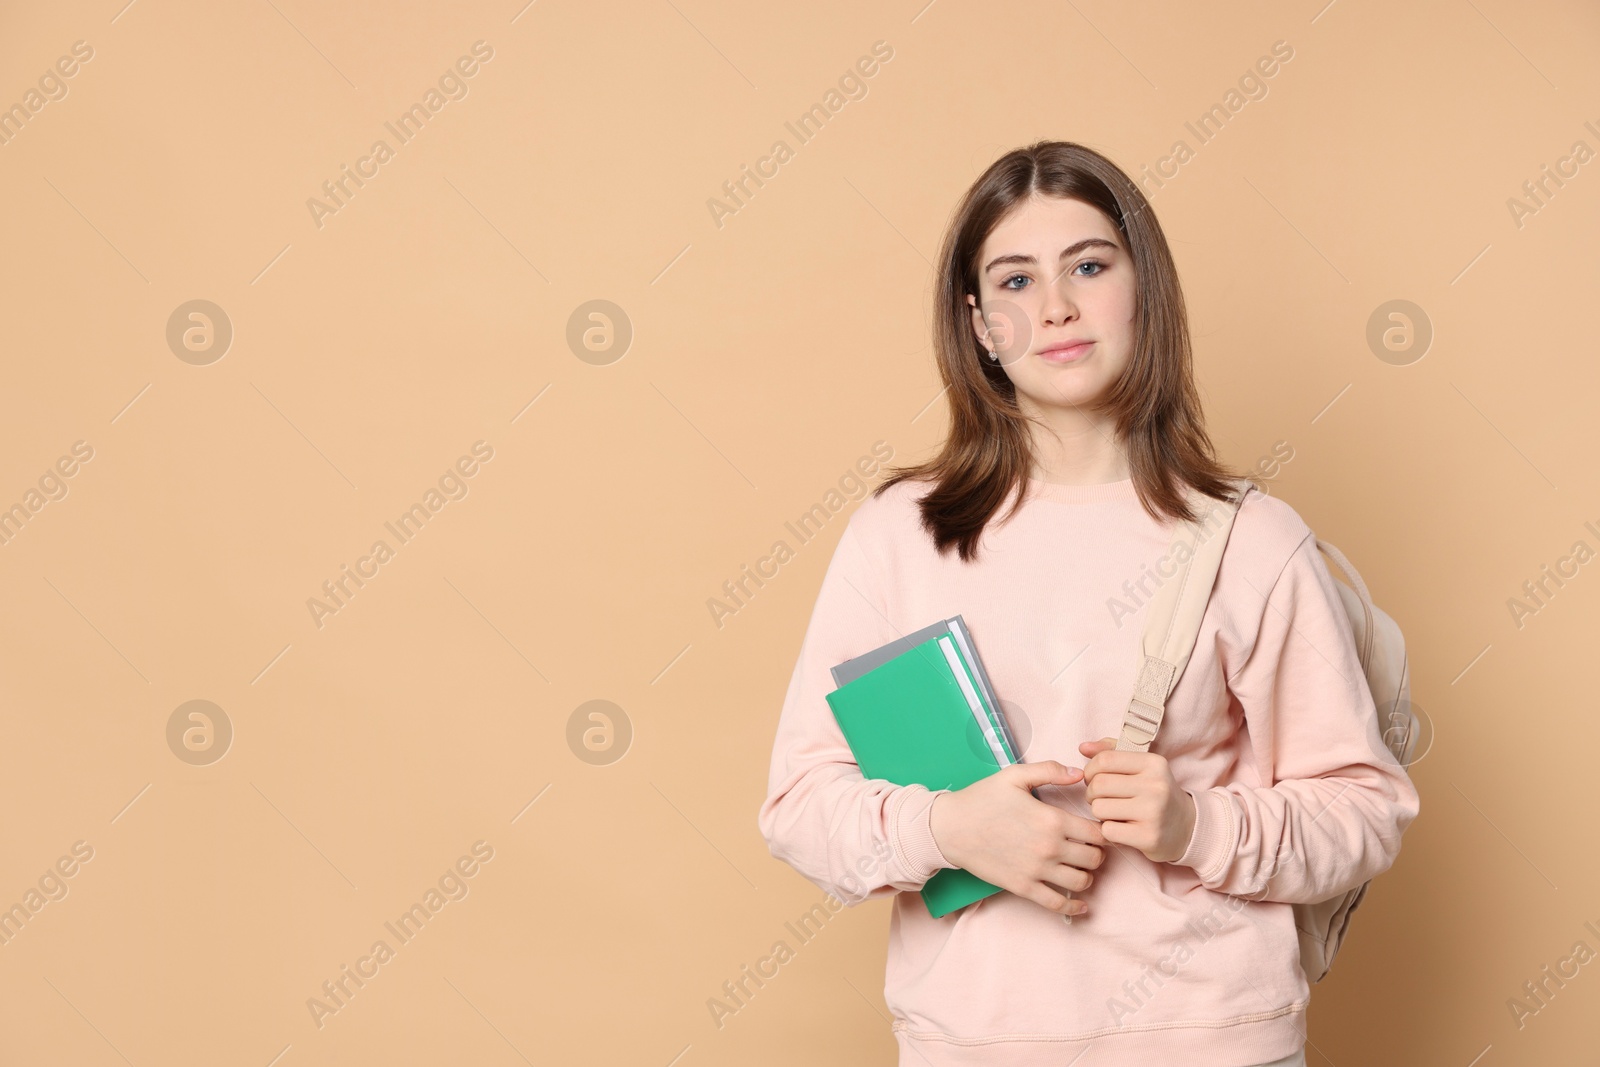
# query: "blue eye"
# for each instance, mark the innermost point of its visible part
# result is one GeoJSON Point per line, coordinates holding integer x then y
{"type": "Point", "coordinates": [1100, 269]}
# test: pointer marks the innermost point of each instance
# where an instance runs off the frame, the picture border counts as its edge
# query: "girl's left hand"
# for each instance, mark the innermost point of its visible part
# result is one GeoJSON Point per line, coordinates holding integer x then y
{"type": "Point", "coordinates": [1137, 800]}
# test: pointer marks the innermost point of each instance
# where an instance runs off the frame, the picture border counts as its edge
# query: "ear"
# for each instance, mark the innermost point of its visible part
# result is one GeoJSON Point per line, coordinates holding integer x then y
{"type": "Point", "coordinates": [980, 328]}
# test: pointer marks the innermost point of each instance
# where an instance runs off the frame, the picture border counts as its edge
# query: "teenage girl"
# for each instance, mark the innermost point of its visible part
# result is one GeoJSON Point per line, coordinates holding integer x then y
{"type": "Point", "coordinates": [1146, 918]}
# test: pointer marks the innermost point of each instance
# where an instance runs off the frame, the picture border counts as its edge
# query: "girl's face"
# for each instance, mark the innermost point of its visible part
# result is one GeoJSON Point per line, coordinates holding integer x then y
{"type": "Point", "coordinates": [1055, 272]}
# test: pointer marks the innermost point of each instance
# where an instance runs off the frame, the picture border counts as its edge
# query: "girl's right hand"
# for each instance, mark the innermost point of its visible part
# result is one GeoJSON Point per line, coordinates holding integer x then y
{"type": "Point", "coordinates": [996, 829]}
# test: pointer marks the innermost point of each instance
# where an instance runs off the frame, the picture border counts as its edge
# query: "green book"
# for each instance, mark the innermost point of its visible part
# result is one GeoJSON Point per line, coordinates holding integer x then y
{"type": "Point", "coordinates": [926, 716]}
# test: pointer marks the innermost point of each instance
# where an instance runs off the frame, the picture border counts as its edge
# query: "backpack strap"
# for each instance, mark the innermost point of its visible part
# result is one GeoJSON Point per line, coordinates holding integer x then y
{"type": "Point", "coordinates": [1173, 620]}
{"type": "Point", "coordinates": [1364, 632]}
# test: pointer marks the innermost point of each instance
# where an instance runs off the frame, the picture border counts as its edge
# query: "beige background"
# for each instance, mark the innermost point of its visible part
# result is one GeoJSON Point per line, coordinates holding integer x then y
{"type": "Point", "coordinates": [768, 355]}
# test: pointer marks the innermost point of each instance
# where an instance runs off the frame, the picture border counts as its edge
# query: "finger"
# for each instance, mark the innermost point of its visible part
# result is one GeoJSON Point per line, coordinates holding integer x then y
{"type": "Point", "coordinates": [1115, 760]}
{"type": "Point", "coordinates": [1078, 828]}
{"type": "Point", "coordinates": [1047, 896]}
{"type": "Point", "coordinates": [1079, 854]}
{"type": "Point", "coordinates": [1115, 809]}
{"type": "Point", "coordinates": [1084, 857]}
{"type": "Point", "coordinates": [1104, 744]}
{"type": "Point", "coordinates": [1045, 772]}
{"type": "Point", "coordinates": [1066, 876]}
{"type": "Point", "coordinates": [1112, 784]}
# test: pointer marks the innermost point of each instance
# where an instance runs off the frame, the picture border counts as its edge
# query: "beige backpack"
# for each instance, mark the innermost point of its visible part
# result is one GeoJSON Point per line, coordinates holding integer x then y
{"type": "Point", "coordinates": [1169, 636]}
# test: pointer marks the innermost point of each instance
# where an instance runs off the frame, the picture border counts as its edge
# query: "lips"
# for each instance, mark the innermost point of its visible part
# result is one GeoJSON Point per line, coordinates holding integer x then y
{"type": "Point", "coordinates": [1065, 351]}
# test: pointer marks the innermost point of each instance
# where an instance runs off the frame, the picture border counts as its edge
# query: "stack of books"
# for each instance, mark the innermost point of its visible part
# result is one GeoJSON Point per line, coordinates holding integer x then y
{"type": "Point", "coordinates": [921, 710]}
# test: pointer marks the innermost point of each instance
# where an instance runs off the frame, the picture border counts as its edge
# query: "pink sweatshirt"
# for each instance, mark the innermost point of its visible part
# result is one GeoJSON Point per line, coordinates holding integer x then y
{"type": "Point", "coordinates": [1271, 728]}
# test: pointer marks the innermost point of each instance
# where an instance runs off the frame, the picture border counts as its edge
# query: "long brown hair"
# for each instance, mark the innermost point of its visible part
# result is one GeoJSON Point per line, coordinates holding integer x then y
{"type": "Point", "coordinates": [988, 453]}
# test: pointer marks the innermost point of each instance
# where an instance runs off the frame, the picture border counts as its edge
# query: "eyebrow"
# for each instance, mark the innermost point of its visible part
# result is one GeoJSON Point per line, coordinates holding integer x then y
{"type": "Point", "coordinates": [1066, 253]}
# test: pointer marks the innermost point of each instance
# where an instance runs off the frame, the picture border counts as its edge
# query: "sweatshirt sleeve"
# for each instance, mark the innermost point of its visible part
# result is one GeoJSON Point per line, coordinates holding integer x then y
{"type": "Point", "coordinates": [1337, 801]}
{"type": "Point", "coordinates": [857, 838]}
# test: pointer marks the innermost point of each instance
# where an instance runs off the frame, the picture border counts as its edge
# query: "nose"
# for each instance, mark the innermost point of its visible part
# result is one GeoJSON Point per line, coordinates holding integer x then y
{"type": "Point", "coordinates": [1058, 307]}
